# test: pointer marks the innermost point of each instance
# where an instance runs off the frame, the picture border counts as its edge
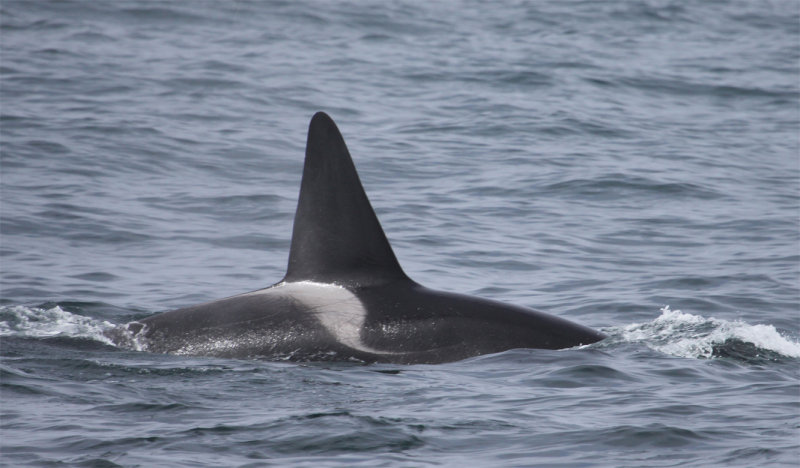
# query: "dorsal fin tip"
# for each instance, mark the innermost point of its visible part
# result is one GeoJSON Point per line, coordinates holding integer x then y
{"type": "Point", "coordinates": [337, 237]}
{"type": "Point", "coordinates": [321, 116]}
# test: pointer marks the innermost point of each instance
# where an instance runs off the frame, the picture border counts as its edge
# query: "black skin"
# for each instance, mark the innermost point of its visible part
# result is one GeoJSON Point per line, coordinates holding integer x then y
{"type": "Point", "coordinates": [406, 323]}
{"type": "Point", "coordinates": [337, 239]}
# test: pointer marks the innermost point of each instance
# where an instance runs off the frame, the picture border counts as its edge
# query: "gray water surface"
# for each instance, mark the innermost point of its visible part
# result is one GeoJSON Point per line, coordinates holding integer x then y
{"type": "Point", "coordinates": [631, 166]}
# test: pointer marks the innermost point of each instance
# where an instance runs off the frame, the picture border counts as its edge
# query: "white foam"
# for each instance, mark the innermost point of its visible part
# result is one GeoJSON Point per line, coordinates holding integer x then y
{"type": "Point", "coordinates": [687, 335]}
{"type": "Point", "coordinates": [42, 323]}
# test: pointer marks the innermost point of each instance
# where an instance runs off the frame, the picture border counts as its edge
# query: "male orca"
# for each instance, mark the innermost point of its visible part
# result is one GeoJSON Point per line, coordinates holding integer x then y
{"type": "Point", "coordinates": [344, 296]}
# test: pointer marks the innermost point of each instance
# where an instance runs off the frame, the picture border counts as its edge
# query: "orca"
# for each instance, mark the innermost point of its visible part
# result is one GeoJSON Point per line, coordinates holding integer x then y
{"type": "Point", "coordinates": [345, 296]}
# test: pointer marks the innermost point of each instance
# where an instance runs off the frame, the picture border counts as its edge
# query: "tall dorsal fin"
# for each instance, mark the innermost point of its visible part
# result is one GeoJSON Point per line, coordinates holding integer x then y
{"type": "Point", "coordinates": [337, 237]}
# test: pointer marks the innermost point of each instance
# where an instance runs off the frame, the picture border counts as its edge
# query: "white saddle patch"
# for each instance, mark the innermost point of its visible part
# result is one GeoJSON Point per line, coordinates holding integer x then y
{"type": "Point", "coordinates": [336, 308]}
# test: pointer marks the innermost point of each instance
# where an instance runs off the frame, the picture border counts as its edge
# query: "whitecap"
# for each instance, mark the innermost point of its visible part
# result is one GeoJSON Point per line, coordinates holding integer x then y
{"type": "Point", "coordinates": [50, 322]}
{"type": "Point", "coordinates": [693, 336]}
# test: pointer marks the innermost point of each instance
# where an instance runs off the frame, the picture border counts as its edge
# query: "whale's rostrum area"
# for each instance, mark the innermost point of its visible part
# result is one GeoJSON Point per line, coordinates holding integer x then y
{"type": "Point", "coordinates": [344, 295]}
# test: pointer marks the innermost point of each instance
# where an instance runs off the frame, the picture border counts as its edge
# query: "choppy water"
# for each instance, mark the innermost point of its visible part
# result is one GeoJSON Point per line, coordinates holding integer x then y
{"type": "Point", "coordinates": [632, 166]}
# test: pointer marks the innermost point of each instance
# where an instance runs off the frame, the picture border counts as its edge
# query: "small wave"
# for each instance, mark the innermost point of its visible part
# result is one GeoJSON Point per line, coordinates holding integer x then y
{"type": "Point", "coordinates": [693, 336]}
{"type": "Point", "coordinates": [611, 186]}
{"type": "Point", "coordinates": [38, 322]}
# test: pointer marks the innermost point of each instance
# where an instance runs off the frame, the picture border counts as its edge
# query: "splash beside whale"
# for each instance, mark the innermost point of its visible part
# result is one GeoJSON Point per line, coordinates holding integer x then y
{"type": "Point", "coordinates": [345, 296]}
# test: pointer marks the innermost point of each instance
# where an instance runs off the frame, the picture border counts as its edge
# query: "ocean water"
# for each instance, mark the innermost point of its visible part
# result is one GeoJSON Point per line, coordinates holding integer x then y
{"type": "Point", "coordinates": [631, 166]}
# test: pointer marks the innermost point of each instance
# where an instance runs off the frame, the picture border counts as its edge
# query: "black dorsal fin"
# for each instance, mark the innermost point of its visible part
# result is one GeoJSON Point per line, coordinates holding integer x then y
{"type": "Point", "coordinates": [337, 237]}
